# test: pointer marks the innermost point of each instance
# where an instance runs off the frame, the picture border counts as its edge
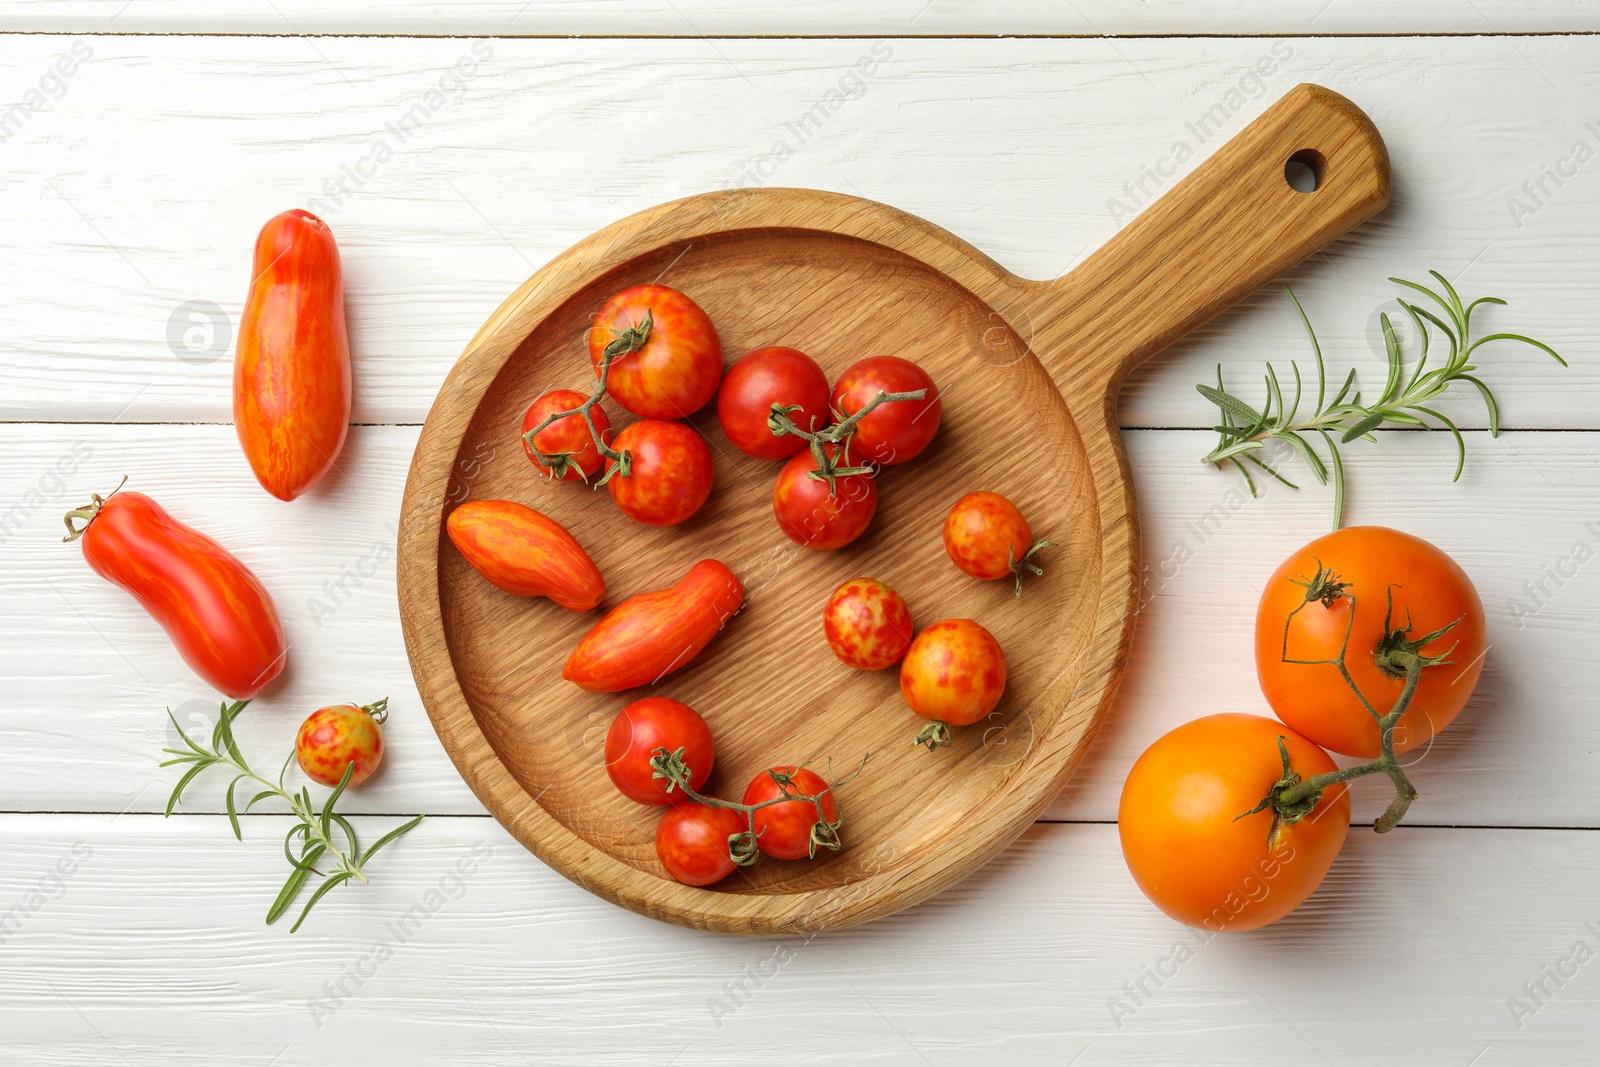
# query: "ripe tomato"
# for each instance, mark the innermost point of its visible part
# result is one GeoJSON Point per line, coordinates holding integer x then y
{"type": "Point", "coordinates": [216, 612]}
{"type": "Point", "coordinates": [892, 433]}
{"type": "Point", "coordinates": [790, 830]}
{"type": "Point", "coordinates": [987, 537]}
{"type": "Point", "coordinates": [671, 472]}
{"type": "Point", "coordinates": [1429, 590]}
{"type": "Point", "coordinates": [648, 636]}
{"type": "Point", "coordinates": [810, 516]}
{"type": "Point", "coordinates": [692, 842]}
{"type": "Point", "coordinates": [768, 376]}
{"type": "Point", "coordinates": [646, 725]}
{"type": "Point", "coordinates": [1183, 838]}
{"type": "Point", "coordinates": [569, 435]}
{"type": "Point", "coordinates": [669, 360]}
{"type": "Point", "coordinates": [953, 673]}
{"type": "Point", "coordinates": [868, 625]}
{"type": "Point", "coordinates": [291, 372]}
{"type": "Point", "coordinates": [336, 736]}
{"type": "Point", "coordinates": [525, 553]}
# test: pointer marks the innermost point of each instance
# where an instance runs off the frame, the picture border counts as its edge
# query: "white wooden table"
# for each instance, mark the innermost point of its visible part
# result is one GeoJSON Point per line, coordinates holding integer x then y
{"type": "Point", "coordinates": [135, 184]}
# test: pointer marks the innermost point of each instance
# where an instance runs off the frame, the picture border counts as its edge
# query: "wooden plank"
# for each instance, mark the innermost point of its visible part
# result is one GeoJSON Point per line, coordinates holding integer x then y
{"type": "Point", "coordinates": [158, 158]}
{"type": "Point", "coordinates": [464, 949]}
{"type": "Point", "coordinates": [693, 18]}
{"type": "Point", "coordinates": [87, 673]}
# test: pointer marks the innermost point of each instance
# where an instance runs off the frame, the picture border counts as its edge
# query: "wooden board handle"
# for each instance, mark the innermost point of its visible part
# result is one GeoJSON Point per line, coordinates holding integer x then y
{"type": "Point", "coordinates": [1221, 233]}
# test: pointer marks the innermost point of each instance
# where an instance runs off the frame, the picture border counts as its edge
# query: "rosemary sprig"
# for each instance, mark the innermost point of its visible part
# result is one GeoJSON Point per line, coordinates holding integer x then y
{"type": "Point", "coordinates": [312, 837]}
{"type": "Point", "coordinates": [1405, 401]}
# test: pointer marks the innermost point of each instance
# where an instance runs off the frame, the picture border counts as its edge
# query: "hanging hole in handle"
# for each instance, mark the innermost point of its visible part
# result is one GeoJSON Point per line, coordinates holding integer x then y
{"type": "Point", "coordinates": [1304, 169]}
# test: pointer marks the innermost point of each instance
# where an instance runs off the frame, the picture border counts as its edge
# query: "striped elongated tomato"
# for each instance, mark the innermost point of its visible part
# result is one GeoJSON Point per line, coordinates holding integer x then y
{"type": "Point", "coordinates": [647, 637]}
{"type": "Point", "coordinates": [216, 612]}
{"type": "Point", "coordinates": [525, 553]}
{"type": "Point", "coordinates": [291, 373]}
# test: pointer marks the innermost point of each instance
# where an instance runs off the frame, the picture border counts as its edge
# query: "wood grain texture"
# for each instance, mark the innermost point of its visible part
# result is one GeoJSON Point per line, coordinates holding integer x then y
{"type": "Point", "coordinates": [781, 266]}
{"type": "Point", "coordinates": [507, 963]}
{"type": "Point", "coordinates": [693, 18]}
{"type": "Point", "coordinates": [178, 179]}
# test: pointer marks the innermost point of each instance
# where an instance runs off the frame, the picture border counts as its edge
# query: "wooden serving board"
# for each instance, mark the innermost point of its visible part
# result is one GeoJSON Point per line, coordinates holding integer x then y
{"type": "Point", "coordinates": [1029, 373]}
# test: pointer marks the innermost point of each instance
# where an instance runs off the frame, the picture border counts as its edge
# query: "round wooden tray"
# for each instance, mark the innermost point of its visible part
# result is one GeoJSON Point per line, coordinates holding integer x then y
{"type": "Point", "coordinates": [1028, 371]}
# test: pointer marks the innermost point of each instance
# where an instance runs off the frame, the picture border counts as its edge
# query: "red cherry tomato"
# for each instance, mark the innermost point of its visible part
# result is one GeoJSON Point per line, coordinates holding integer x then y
{"type": "Point", "coordinates": [784, 830]}
{"type": "Point", "coordinates": [768, 376]}
{"type": "Point", "coordinates": [671, 472]}
{"type": "Point", "coordinates": [692, 842]}
{"type": "Point", "coordinates": [675, 364]}
{"type": "Point", "coordinates": [808, 515]}
{"type": "Point", "coordinates": [868, 625]}
{"type": "Point", "coordinates": [896, 432]}
{"type": "Point", "coordinates": [336, 736]}
{"type": "Point", "coordinates": [291, 373]}
{"type": "Point", "coordinates": [569, 435]}
{"type": "Point", "coordinates": [646, 725]}
{"type": "Point", "coordinates": [987, 537]}
{"type": "Point", "coordinates": [954, 673]}
{"type": "Point", "coordinates": [525, 553]}
{"type": "Point", "coordinates": [648, 636]}
{"type": "Point", "coordinates": [216, 612]}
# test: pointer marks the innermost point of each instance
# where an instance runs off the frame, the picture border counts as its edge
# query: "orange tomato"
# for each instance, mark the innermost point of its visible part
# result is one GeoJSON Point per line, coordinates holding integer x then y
{"type": "Point", "coordinates": [1187, 847]}
{"type": "Point", "coordinates": [954, 672]}
{"type": "Point", "coordinates": [291, 373]}
{"type": "Point", "coordinates": [1429, 591]}
{"type": "Point", "coordinates": [525, 553]}
{"type": "Point", "coordinates": [987, 537]}
{"type": "Point", "coordinates": [333, 738]}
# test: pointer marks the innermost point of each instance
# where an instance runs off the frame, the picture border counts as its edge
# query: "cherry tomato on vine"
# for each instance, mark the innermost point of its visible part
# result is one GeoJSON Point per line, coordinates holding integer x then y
{"type": "Point", "coordinates": [809, 515]}
{"type": "Point", "coordinates": [568, 435]}
{"type": "Point", "coordinates": [668, 358]}
{"type": "Point", "coordinates": [1187, 846]}
{"type": "Point", "coordinates": [867, 624]}
{"type": "Point", "coordinates": [790, 829]}
{"type": "Point", "coordinates": [692, 842]}
{"type": "Point", "coordinates": [987, 537]}
{"type": "Point", "coordinates": [336, 736]}
{"type": "Point", "coordinates": [291, 372]}
{"type": "Point", "coordinates": [954, 673]}
{"type": "Point", "coordinates": [1356, 569]}
{"type": "Point", "coordinates": [671, 472]}
{"type": "Point", "coordinates": [216, 612]}
{"type": "Point", "coordinates": [646, 725]}
{"type": "Point", "coordinates": [892, 433]}
{"type": "Point", "coordinates": [760, 379]}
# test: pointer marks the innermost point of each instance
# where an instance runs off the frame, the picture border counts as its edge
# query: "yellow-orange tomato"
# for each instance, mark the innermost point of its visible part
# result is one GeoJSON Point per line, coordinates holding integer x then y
{"type": "Point", "coordinates": [333, 738]}
{"type": "Point", "coordinates": [1429, 591]}
{"type": "Point", "coordinates": [986, 535]}
{"type": "Point", "coordinates": [954, 672]}
{"type": "Point", "coordinates": [867, 624]}
{"type": "Point", "coordinates": [1185, 844]}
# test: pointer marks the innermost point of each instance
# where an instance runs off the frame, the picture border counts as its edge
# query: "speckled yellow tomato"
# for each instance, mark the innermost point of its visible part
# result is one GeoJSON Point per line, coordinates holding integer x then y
{"type": "Point", "coordinates": [1188, 843]}
{"type": "Point", "coordinates": [986, 535]}
{"type": "Point", "coordinates": [334, 737]}
{"type": "Point", "coordinates": [671, 472]}
{"type": "Point", "coordinates": [868, 625]}
{"type": "Point", "coordinates": [953, 673]}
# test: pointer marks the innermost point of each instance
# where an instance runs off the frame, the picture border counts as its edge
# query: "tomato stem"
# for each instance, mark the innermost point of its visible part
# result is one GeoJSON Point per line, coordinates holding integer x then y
{"type": "Point", "coordinates": [839, 433]}
{"type": "Point", "coordinates": [935, 735]}
{"type": "Point", "coordinates": [89, 511]}
{"type": "Point", "coordinates": [626, 343]}
{"type": "Point", "coordinates": [378, 709]}
{"type": "Point", "coordinates": [1025, 565]}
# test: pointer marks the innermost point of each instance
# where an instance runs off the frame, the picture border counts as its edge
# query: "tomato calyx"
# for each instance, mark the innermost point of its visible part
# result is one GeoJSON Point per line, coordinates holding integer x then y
{"type": "Point", "coordinates": [1288, 803]}
{"type": "Point", "coordinates": [560, 463]}
{"type": "Point", "coordinates": [1026, 564]}
{"type": "Point", "coordinates": [1397, 650]}
{"type": "Point", "coordinates": [630, 340]}
{"type": "Point", "coordinates": [935, 735]}
{"type": "Point", "coordinates": [87, 513]}
{"type": "Point", "coordinates": [843, 428]}
{"type": "Point", "coordinates": [378, 709]}
{"type": "Point", "coordinates": [743, 847]}
{"type": "Point", "coordinates": [1324, 586]}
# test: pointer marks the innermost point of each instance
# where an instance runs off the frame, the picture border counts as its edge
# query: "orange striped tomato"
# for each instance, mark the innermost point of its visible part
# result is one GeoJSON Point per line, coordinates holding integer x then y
{"type": "Point", "coordinates": [525, 553]}
{"type": "Point", "coordinates": [291, 374]}
{"type": "Point", "coordinates": [216, 612]}
{"type": "Point", "coordinates": [649, 636]}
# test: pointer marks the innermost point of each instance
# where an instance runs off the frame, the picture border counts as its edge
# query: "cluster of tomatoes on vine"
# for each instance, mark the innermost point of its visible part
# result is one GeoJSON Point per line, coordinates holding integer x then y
{"type": "Point", "coordinates": [655, 352]}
